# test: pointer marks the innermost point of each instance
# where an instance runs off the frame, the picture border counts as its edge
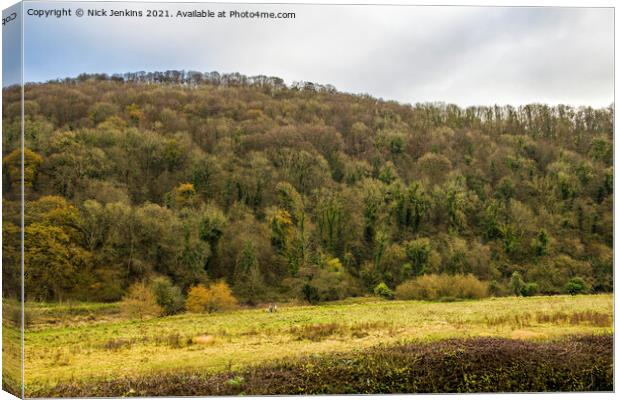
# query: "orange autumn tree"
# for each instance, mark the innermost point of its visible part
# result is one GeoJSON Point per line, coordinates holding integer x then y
{"type": "Point", "coordinates": [216, 297]}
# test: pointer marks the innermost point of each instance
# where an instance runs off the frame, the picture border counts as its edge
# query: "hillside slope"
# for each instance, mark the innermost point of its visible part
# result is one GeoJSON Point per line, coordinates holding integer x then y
{"type": "Point", "coordinates": [298, 191]}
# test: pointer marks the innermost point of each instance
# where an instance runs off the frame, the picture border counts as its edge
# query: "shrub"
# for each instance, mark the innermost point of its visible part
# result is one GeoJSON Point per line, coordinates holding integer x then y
{"type": "Point", "coordinates": [424, 287]}
{"type": "Point", "coordinates": [498, 289]}
{"type": "Point", "coordinates": [435, 287]}
{"type": "Point", "coordinates": [576, 286]}
{"type": "Point", "coordinates": [310, 293]}
{"type": "Point", "coordinates": [217, 297]}
{"type": "Point", "coordinates": [466, 287]}
{"type": "Point", "coordinates": [197, 299]}
{"type": "Point", "coordinates": [140, 302]}
{"type": "Point", "coordinates": [529, 289]}
{"type": "Point", "coordinates": [516, 283]}
{"type": "Point", "coordinates": [332, 282]}
{"type": "Point", "coordinates": [382, 290]}
{"type": "Point", "coordinates": [168, 296]}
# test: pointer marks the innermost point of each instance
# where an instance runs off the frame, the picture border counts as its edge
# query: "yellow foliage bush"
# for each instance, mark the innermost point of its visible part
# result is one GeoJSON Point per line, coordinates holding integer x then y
{"type": "Point", "coordinates": [216, 297]}
{"type": "Point", "coordinates": [184, 194]}
{"type": "Point", "coordinates": [443, 286]}
{"type": "Point", "coordinates": [140, 302]}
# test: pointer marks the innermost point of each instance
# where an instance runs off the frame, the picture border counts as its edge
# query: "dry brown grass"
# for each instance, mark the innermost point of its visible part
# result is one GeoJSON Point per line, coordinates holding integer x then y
{"type": "Point", "coordinates": [588, 318]}
{"type": "Point", "coordinates": [118, 344]}
{"type": "Point", "coordinates": [204, 340]}
{"type": "Point", "coordinates": [316, 332]}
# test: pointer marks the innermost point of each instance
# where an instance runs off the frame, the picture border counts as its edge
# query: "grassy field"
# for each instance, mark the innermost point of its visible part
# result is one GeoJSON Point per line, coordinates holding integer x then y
{"type": "Point", "coordinates": [472, 365]}
{"type": "Point", "coordinates": [93, 342]}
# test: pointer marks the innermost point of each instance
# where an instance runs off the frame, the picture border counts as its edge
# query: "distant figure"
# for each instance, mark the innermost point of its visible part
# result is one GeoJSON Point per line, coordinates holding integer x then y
{"type": "Point", "coordinates": [272, 308]}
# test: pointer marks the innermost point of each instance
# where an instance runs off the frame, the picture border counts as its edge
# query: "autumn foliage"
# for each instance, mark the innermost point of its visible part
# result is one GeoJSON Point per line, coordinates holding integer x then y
{"type": "Point", "coordinates": [296, 191]}
{"type": "Point", "coordinates": [215, 297]}
{"type": "Point", "coordinates": [140, 302]}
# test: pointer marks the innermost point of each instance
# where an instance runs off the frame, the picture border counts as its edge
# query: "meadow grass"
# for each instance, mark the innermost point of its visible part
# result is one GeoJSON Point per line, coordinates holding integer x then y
{"type": "Point", "coordinates": [11, 360]}
{"type": "Point", "coordinates": [463, 365]}
{"type": "Point", "coordinates": [99, 350]}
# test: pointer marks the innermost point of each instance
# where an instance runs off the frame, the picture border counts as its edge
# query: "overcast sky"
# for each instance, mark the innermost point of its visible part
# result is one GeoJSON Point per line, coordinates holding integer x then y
{"type": "Point", "coordinates": [462, 55]}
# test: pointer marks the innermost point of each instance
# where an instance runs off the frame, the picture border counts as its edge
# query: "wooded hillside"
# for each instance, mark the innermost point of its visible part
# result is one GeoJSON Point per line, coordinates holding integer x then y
{"type": "Point", "coordinates": [299, 191]}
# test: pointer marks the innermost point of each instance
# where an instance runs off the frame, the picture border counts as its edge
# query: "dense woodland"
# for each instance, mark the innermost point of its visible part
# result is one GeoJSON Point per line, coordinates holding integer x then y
{"type": "Point", "coordinates": [297, 191]}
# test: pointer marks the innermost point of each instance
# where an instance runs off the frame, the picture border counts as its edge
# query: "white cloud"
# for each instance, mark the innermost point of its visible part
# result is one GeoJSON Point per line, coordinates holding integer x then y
{"type": "Point", "coordinates": [465, 55]}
